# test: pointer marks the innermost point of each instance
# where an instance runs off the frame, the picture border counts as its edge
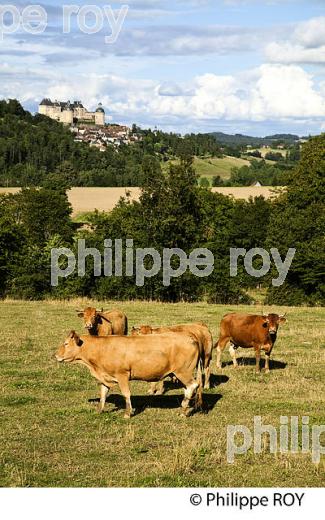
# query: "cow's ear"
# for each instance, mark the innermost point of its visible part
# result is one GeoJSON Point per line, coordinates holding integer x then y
{"type": "Point", "coordinates": [80, 314]}
{"type": "Point", "coordinates": [266, 321]}
{"type": "Point", "coordinates": [282, 319]}
{"type": "Point", "coordinates": [76, 338]}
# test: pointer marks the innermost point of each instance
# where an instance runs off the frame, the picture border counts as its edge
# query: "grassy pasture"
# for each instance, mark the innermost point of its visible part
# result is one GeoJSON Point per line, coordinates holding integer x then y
{"type": "Point", "coordinates": [210, 167]}
{"type": "Point", "coordinates": [214, 166]}
{"type": "Point", "coordinates": [265, 151]}
{"type": "Point", "coordinates": [51, 434]}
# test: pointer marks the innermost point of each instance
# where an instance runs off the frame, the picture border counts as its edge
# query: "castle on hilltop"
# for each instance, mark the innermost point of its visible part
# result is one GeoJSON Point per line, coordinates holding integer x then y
{"type": "Point", "coordinates": [71, 113]}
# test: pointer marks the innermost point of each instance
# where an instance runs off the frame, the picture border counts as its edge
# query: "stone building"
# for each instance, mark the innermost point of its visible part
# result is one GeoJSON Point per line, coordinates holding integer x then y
{"type": "Point", "coordinates": [71, 113]}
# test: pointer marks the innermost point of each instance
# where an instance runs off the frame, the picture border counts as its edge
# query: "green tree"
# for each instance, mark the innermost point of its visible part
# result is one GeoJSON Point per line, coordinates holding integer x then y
{"type": "Point", "coordinates": [298, 221]}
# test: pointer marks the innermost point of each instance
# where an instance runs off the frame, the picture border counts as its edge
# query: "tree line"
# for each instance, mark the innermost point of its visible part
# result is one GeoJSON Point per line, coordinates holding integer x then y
{"type": "Point", "coordinates": [173, 212]}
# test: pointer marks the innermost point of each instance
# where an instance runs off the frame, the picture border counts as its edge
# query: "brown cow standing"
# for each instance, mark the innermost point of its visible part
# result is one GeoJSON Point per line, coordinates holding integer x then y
{"type": "Point", "coordinates": [198, 330]}
{"type": "Point", "coordinates": [249, 331]}
{"type": "Point", "coordinates": [121, 359]}
{"type": "Point", "coordinates": [109, 323]}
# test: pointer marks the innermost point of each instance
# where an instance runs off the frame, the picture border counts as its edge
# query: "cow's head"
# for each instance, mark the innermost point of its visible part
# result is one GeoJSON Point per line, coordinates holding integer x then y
{"type": "Point", "coordinates": [69, 351]}
{"type": "Point", "coordinates": [135, 331]}
{"type": "Point", "coordinates": [272, 322]}
{"type": "Point", "coordinates": [91, 317]}
{"type": "Point", "coordinates": [143, 329]}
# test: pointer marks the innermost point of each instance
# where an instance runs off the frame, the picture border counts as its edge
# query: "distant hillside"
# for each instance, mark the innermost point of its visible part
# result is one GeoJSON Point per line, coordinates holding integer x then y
{"type": "Point", "coordinates": [246, 140]}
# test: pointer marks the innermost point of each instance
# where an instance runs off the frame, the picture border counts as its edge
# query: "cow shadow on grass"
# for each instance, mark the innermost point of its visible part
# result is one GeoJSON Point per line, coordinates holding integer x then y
{"type": "Point", "coordinates": [141, 402]}
{"type": "Point", "coordinates": [244, 361]}
{"type": "Point", "coordinates": [217, 379]}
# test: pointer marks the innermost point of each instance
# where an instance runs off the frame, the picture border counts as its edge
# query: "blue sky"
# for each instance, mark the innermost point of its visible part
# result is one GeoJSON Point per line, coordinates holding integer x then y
{"type": "Point", "coordinates": [248, 66]}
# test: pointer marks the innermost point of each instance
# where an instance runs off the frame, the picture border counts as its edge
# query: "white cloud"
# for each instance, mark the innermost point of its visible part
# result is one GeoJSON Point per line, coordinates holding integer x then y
{"type": "Point", "coordinates": [305, 45]}
{"type": "Point", "coordinates": [268, 93]}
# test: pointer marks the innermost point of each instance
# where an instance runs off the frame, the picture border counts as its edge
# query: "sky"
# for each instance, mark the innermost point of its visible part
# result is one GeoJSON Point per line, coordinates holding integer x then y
{"type": "Point", "coordinates": [237, 66]}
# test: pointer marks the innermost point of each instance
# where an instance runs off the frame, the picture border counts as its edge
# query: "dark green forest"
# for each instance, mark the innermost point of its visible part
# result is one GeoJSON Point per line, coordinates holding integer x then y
{"type": "Point", "coordinates": [173, 212]}
{"type": "Point", "coordinates": [38, 151]}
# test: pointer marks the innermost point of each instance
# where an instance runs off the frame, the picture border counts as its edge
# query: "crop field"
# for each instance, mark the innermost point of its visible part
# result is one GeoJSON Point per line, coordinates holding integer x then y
{"type": "Point", "coordinates": [52, 435]}
{"type": "Point", "coordinates": [87, 200]}
{"type": "Point", "coordinates": [265, 151]}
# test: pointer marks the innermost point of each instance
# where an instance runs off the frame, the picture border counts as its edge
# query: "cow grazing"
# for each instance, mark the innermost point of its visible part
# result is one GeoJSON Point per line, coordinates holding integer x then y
{"type": "Point", "coordinates": [198, 330]}
{"type": "Point", "coordinates": [249, 331]}
{"type": "Point", "coordinates": [108, 323]}
{"type": "Point", "coordinates": [121, 359]}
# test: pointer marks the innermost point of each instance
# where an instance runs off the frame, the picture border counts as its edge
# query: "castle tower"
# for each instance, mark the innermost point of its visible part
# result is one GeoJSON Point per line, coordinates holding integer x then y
{"type": "Point", "coordinates": [100, 115]}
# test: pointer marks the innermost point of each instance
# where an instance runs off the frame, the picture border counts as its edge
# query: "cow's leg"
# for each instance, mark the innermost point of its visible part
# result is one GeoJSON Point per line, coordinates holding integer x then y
{"type": "Point", "coordinates": [267, 360]}
{"type": "Point", "coordinates": [258, 358]}
{"type": "Point", "coordinates": [124, 385]}
{"type": "Point", "coordinates": [207, 374]}
{"type": "Point", "coordinates": [189, 392]}
{"type": "Point", "coordinates": [157, 388]}
{"type": "Point", "coordinates": [103, 394]}
{"type": "Point", "coordinates": [220, 348]}
{"type": "Point", "coordinates": [191, 387]}
{"type": "Point", "coordinates": [232, 352]}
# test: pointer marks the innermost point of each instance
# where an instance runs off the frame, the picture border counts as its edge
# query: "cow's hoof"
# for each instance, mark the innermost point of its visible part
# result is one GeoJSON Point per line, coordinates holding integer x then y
{"type": "Point", "coordinates": [188, 412]}
{"type": "Point", "coordinates": [207, 387]}
{"type": "Point", "coordinates": [267, 370]}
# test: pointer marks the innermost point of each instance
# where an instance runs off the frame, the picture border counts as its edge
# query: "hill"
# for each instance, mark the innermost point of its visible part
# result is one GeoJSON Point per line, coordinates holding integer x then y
{"type": "Point", "coordinates": [246, 140]}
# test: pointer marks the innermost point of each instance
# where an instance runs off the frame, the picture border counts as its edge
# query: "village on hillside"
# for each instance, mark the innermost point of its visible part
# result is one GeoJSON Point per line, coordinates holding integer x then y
{"type": "Point", "coordinates": [88, 127]}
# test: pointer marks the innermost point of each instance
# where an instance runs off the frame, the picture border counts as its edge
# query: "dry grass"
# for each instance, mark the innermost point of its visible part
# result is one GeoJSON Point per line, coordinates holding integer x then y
{"type": "Point", "coordinates": [85, 200]}
{"type": "Point", "coordinates": [51, 434]}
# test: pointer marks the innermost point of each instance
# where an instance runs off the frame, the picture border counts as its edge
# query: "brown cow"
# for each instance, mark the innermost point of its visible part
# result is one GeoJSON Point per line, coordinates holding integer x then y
{"type": "Point", "coordinates": [121, 359]}
{"type": "Point", "coordinates": [198, 330]}
{"type": "Point", "coordinates": [108, 323]}
{"type": "Point", "coordinates": [249, 331]}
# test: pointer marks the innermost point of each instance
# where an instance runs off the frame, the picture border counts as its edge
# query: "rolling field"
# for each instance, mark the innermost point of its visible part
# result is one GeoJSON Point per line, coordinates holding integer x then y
{"type": "Point", "coordinates": [51, 434]}
{"type": "Point", "coordinates": [213, 166]}
{"type": "Point", "coordinates": [86, 200]}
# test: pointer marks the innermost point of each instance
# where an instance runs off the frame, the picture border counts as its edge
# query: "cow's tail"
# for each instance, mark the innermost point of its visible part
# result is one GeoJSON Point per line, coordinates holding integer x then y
{"type": "Point", "coordinates": [126, 327]}
{"type": "Point", "coordinates": [199, 379]}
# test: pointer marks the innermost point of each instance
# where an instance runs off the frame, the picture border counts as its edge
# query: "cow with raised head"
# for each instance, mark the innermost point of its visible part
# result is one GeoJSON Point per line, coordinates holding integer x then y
{"type": "Point", "coordinates": [121, 359]}
{"type": "Point", "coordinates": [249, 331]}
{"type": "Point", "coordinates": [100, 323]}
{"type": "Point", "coordinates": [198, 330]}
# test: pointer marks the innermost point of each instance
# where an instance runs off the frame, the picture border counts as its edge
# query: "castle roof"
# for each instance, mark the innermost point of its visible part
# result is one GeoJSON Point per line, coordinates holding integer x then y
{"type": "Point", "coordinates": [64, 105]}
{"type": "Point", "coordinates": [46, 102]}
{"type": "Point", "coordinates": [100, 108]}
